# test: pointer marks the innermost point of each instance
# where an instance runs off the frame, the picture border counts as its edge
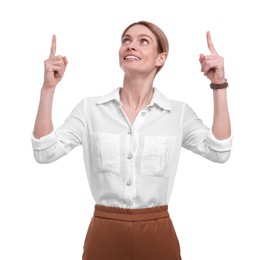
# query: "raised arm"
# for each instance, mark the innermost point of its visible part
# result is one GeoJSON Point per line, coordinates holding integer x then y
{"type": "Point", "coordinates": [54, 70]}
{"type": "Point", "coordinates": [213, 68]}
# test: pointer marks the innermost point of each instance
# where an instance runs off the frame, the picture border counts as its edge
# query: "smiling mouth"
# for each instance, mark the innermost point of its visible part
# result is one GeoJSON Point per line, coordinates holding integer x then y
{"type": "Point", "coordinates": [131, 57]}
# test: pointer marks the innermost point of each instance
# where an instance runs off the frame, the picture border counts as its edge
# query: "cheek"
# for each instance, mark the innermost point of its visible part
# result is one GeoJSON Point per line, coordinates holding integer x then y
{"type": "Point", "coordinates": [121, 51]}
{"type": "Point", "coordinates": [120, 55]}
{"type": "Point", "coordinates": [120, 60]}
{"type": "Point", "coordinates": [150, 58]}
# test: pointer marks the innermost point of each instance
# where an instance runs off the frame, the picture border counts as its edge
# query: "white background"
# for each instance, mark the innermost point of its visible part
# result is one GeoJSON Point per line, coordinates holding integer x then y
{"type": "Point", "coordinates": [45, 209]}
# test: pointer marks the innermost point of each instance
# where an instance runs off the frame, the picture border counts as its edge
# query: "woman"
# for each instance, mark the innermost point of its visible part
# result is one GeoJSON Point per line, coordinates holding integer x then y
{"type": "Point", "coordinates": [131, 141]}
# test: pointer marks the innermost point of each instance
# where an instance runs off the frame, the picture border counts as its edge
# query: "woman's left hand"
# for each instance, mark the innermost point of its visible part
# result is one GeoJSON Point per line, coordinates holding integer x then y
{"type": "Point", "coordinates": [212, 65]}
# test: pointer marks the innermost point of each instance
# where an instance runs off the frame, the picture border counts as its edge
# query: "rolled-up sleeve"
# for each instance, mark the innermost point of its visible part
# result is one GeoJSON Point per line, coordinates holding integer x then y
{"type": "Point", "coordinates": [62, 140]}
{"type": "Point", "coordinates": [199, 139]}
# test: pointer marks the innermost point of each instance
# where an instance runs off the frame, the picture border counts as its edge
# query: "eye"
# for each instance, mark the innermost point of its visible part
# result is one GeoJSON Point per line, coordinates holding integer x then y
{"type": "Point", "coordinates": [125, 41]}
{"type": "Point", "coordinates": [144, 42]}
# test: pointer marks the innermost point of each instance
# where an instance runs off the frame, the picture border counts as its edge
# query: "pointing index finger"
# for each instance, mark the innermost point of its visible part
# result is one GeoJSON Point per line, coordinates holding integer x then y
{"type": "Point", "coordinates": [210, 44]}
{"type": "Point", "coordinates": [53, 47]}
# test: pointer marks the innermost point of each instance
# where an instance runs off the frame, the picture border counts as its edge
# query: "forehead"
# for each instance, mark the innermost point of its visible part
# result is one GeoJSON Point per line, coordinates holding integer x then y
{"type": "Point", "coordinates": [139, 29]}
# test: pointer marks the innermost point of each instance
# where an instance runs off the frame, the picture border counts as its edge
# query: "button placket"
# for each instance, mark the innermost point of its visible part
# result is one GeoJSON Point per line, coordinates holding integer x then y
{"type": "Point", "coordinates": [130, 161]}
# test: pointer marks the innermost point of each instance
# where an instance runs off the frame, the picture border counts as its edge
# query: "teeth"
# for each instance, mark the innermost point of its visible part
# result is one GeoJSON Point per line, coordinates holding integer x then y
{"type": "Point", "coordinates": [131, 58]}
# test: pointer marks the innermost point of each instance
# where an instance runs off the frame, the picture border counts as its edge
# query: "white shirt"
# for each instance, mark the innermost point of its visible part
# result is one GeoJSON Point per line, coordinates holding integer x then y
{"type": "Point", "coordinates": [131, 166]}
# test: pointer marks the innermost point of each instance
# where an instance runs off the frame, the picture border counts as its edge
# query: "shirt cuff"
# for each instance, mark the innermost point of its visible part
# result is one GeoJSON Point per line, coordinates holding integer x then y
{"type": "Point", "coordinates": [44, 142]}
{"type": "Point", "coordinates": [219, 145]}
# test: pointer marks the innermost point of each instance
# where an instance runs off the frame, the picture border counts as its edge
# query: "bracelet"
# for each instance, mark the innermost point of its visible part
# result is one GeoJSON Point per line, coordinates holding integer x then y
{"type": "Point", "coordinates": [218, 86]}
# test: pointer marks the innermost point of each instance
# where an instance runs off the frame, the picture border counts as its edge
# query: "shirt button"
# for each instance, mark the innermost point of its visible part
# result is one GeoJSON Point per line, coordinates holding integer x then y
{"type": "Point", "coordinates": [143, 113]}
{"type": "Point", "coordinates": [129, 182]}
{"type": "Point", "coordinates": [130, 132]}
{"type": "Point", "coordinates": [129, 156]}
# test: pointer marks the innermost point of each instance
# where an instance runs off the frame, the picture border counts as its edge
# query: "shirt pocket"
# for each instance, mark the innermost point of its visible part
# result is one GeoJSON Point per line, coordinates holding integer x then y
{"type": "Point", "coordinates": [157, 155]}
{"type": "Point", "coordinates": [105, 149]}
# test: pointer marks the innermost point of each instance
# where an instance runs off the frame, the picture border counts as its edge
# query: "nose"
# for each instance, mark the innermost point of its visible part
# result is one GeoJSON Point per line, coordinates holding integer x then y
{"type": "Point", "coordinates": [129, 48]}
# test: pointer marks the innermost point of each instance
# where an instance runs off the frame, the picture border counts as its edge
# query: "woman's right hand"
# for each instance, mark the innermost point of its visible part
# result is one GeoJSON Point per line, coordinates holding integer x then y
{"type": "Point", "coordinates": [54, 67]}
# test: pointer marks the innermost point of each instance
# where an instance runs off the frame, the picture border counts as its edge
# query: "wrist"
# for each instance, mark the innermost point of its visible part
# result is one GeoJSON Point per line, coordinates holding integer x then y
{"type": "Point", "coordinates": [46, 88]}
{"type": "Point", "coordinates": [47, 93]}
{"type": "Point", "coordinates": [219, 85]}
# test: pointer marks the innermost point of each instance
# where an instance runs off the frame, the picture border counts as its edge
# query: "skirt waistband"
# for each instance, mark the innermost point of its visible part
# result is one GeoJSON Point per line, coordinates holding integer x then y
{"type": "Point", "coordinates": [123, 214]}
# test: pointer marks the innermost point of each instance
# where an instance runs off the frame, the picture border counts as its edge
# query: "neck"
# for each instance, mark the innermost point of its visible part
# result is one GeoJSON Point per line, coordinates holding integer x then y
{"type": "Point", "coordinates": [136, 94]}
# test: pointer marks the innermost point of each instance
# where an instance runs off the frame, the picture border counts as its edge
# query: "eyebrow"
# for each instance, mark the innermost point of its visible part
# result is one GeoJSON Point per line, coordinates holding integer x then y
{"type": "Point", "coordinates": [140, 35]}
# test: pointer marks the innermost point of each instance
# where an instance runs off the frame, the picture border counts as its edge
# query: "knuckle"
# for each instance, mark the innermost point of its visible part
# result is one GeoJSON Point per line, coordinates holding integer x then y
{"type": "Point", "coordinates": [48, 68]}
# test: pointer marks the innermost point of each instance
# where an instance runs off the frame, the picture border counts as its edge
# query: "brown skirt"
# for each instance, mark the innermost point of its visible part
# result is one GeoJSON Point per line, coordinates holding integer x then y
{"type": "Point", "coordinates": [131, 234]}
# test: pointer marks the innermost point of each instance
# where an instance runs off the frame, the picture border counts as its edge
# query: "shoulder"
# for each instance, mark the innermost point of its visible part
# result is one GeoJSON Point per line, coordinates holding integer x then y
{"type": "Point", "coordinates": [177, 103]}
{"type": "Point", "coordinates": [175, 107]}
{"type": "Point", "coordinates": [100, 99]}
{"type": "Point", "coordinates": [91, 102]}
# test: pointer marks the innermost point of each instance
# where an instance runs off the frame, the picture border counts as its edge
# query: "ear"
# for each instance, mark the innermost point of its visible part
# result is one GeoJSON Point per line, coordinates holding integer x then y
{"type": "Point", "coordinates": [161, 59]}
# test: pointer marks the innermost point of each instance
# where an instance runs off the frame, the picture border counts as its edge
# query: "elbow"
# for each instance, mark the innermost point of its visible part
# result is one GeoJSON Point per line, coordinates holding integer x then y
{"type": "Point", "coordinates": [42, 158]}
{"type": "Point", "coordinates": [38, 158]}
{"type": "Point", "coordinates": [222, 157]}
{"type": "Point", "coordinates": [218, 156]}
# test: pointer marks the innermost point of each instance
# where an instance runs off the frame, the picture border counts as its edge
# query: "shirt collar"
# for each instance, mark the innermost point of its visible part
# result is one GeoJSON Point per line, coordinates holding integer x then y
{"type": "Point", "coordinates": [114, 95]}
{"type": "Point", "coordinates": [158, 99]}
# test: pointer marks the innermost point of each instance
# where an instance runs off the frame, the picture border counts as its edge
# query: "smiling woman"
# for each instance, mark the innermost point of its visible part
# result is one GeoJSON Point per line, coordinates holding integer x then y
{"type": "Point", "coordinates": [154, 36]}
{"type": "Point", "coordinates": [131, 140]}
